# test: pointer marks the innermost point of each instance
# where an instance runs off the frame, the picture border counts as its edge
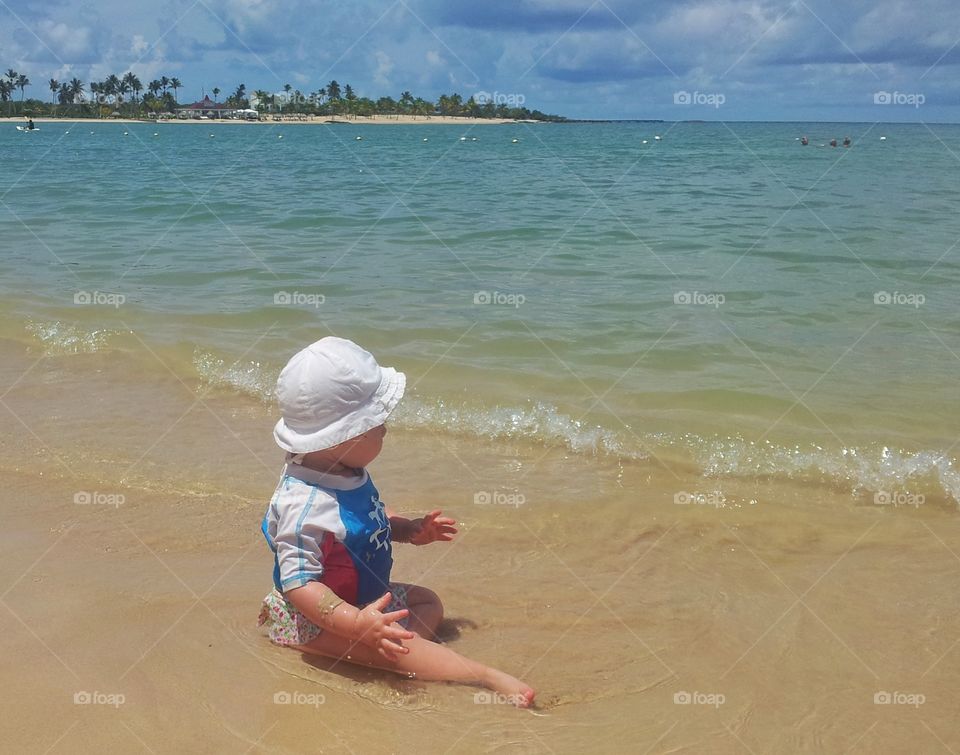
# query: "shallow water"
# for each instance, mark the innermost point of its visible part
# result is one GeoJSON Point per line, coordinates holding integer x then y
{"type": "Point", "coordinates": [710, 299]}
{"type": "Point", "coordinates": [651, 608]}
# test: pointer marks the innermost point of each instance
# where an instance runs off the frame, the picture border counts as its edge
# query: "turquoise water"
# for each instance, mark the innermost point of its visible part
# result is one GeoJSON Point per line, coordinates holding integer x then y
{"type": "Point", "coordinates": [723, 295]}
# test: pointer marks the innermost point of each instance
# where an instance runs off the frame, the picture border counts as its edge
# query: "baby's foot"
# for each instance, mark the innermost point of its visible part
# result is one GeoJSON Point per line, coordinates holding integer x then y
{"type": "Point", "coordinates": [510, 687]}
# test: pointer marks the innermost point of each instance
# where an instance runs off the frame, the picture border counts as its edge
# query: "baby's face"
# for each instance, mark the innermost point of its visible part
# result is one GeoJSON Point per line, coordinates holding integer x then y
{"type": "Point", "coordinates": [360, 451]}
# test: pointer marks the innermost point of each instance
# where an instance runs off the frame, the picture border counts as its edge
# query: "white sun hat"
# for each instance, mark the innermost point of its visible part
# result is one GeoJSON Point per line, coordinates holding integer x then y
{"type": "Point", "coordinates": [333, 391]}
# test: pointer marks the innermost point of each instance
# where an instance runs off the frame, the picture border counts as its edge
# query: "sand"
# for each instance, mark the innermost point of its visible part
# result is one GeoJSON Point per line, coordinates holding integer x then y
{"type": "Point", "coordinates": [779, 613]}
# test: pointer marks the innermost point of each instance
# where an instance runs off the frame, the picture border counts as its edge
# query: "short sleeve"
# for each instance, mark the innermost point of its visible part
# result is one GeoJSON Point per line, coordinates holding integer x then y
{"type": "Point", "coordinates": [305, 517]}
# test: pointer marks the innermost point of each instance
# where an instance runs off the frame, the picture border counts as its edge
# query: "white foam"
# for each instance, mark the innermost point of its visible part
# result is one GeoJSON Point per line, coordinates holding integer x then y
{"type": "Point", "coordinates": [63, 338]}
{"type": "Point", "coordinates": [862, 469]}
{"type": "Point", "coordinates": [537, 422]}
{"type": "Point", "coordinates": [249, 378]}
{"type": "Point", "coordinates": [858, 469]}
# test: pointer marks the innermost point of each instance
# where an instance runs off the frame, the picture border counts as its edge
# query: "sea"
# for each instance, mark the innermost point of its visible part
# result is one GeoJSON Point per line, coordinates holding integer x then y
{"type": "Point", "coordinates": [712, 298]}
{"type": "Point", "coordinates": [688, 391]}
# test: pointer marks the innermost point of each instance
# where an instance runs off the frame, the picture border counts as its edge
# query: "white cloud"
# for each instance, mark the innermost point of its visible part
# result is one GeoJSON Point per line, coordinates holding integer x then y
{"type": "Point", "coordinates": [381, 76]}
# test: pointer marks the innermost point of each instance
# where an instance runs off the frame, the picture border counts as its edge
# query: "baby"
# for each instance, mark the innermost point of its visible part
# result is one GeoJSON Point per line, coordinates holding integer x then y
{"type": "Point", "coordinates": [332, 538]}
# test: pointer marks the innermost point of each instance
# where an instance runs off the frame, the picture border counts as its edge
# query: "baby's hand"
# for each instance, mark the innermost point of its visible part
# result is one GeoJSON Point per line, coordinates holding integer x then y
{"type": "Point", "coordinates": [378, 630]}
{"type": "Point", "coordinates": [432, 527]}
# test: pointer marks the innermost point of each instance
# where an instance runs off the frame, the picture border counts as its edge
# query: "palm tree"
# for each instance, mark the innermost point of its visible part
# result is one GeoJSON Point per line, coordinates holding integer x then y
{"type": "Point", "coordinates": [240, 95]}
{"type": "Point", "coordinates": [11, 84]}
{"type": "Point", "coordinates": [154, 87]}
{"type": "Point", "coordinates": [64, 94]}
{"type": "Point", "coordinates": [75, 90]}
{"type": "Point", "coordinates": [54, 88]}
{"type": "Point", "coordinates": [96, 90]}
{"type": "Point", "coordinates": [333, 90]}
{"type": "Point", "coordinates": [111, 87]}
{"type": "Point", "coordinates": [122, 88]}
{"type": "Point", "coordinates": [422, 107]}
{"type": "Point", "coordinates": [22, 83]}
{"type": "Point", "coordinates": [406, 100]}
{"type": "Point", "coordinates": [175, 84]}
{"type": "Point", "coordinates": [133, 84]}
{"type": "Point", "coordinates": [164, 83]}
{"type": "Point", "coordinates": [216, 93]}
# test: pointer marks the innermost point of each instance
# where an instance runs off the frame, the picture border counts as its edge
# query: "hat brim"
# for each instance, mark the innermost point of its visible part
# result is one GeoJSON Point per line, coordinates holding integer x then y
{"type": "Point", "coordinates": [372, 414]}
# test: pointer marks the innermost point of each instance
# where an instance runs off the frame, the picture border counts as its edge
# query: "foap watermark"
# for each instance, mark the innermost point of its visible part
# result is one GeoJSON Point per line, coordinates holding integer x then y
{"type": "Point", "coordinates": [498, 698]}
{"type": "Point", "coordinates": [699, 298]}
{"type": "Point", "coordinates": [914, 99]}
{"type": "Point", "coordinates": [499, 298]}
{"type": "Point", "coordinates": [116, 699]}
{"type": "Point", "coordinates": [898, 498]}
{"type": "Point", "coordinates": [97, 498]}
{"type": "Point", "coordinates": [715, 499]}
{"type": "Point", "coordinates": [299, 698]}
{"type": "Point", "coordinates": [499, 498]}
{"type": "Point", "coordinates": [510, 99]}
{"type": "Point", "coordinates": [99, 298]}
{"type": "Point", "coordinates": [900, 298]}
{"type": "Point", "coordinates": [298, 299]}
{"type": "Point", "coordinates": [899, 698]}
{"type": "Point", "coordinates": [699, 698]}
{"type": "Point", "coordinates": [712, 99]}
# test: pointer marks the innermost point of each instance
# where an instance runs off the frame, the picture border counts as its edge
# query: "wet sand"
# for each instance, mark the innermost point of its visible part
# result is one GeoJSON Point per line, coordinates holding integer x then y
{"type": "Point", "coordinates": [766, 619]}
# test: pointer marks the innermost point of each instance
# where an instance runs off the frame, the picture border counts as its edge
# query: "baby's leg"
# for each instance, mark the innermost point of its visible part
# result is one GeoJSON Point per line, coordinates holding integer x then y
{"type": "Point", "coordinates": [426, 610]}
{"type": "Point", "coordinates": [426, 660]}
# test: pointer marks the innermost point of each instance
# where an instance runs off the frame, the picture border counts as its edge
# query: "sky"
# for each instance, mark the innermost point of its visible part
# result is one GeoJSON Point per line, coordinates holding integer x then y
{"type": "Point", "coordinates": [803, 60]}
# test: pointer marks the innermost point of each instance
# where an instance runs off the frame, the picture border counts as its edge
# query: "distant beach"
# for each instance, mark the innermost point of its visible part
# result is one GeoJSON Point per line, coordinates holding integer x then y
{"type": "Point", "coordinates": [379, 120]}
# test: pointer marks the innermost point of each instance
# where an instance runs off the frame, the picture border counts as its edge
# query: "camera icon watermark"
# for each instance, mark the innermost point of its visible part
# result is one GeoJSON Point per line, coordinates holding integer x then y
{"type": "Point", "coordinates": [96, 498]}
{"type": "Point", "coordinates": [914, 699]}
{"type": "Point", "coordinates": [115, 699]}
{"type": "Point", "coordinates": [914, 99]}
{"type": "Point", "coordinates": [685, 498]}
{"type": "Point", "coordinates": [699, 298]}
{"type": "Point", "coordinates": [897, 498]}
{"type": "Point", "coordinates": [497, 698]}
{"type": "Point", "coordinates": [710, 99]}
{"type": "Point", "coordinates": [897, 297]}
{"type": "Point", "coordinates": [314, 699]}
{"type": "Point", "coordinates": [510, 99]}
{"type": "Point", "coordinates": [99, 298]}
{"type": "Point", "coordinates": [714, 699]}
{"type": "Point", "coordinates": [499, 498]}
{"type": "Point", "coordinates": [499, 298]}
{"type": "Point", "coordinates": [298, 299]}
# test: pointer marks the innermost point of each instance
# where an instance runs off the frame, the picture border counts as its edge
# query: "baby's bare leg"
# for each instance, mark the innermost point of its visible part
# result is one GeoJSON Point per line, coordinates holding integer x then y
{"type": "Point", "coordinates": [426, 660]}
{"type": "Point", "coordinates": [426, 611]}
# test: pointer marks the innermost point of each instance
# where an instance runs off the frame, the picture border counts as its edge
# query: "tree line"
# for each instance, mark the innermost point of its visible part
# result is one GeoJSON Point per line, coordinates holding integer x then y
{"type": "Point", "coordinates": [128, 96]}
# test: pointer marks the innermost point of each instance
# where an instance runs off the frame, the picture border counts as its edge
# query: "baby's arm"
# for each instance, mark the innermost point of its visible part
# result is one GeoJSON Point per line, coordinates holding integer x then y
{"type": "Point", "coordinates": [368, 626]}
{"type": "Point", "coordinates": [426, 529]}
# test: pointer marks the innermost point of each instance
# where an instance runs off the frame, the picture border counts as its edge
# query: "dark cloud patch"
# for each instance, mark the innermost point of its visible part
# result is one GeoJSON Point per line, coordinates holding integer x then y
{"type": "Point", "coordinates": [604, 66]}
{"type": "Point", "coordinates": [903, 54]}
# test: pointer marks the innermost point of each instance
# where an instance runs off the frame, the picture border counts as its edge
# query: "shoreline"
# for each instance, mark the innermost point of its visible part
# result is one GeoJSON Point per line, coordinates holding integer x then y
{"type": "Point", "coordinates": [134, 554]}
{"type": "Point", "coordinates": [374, 120]}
